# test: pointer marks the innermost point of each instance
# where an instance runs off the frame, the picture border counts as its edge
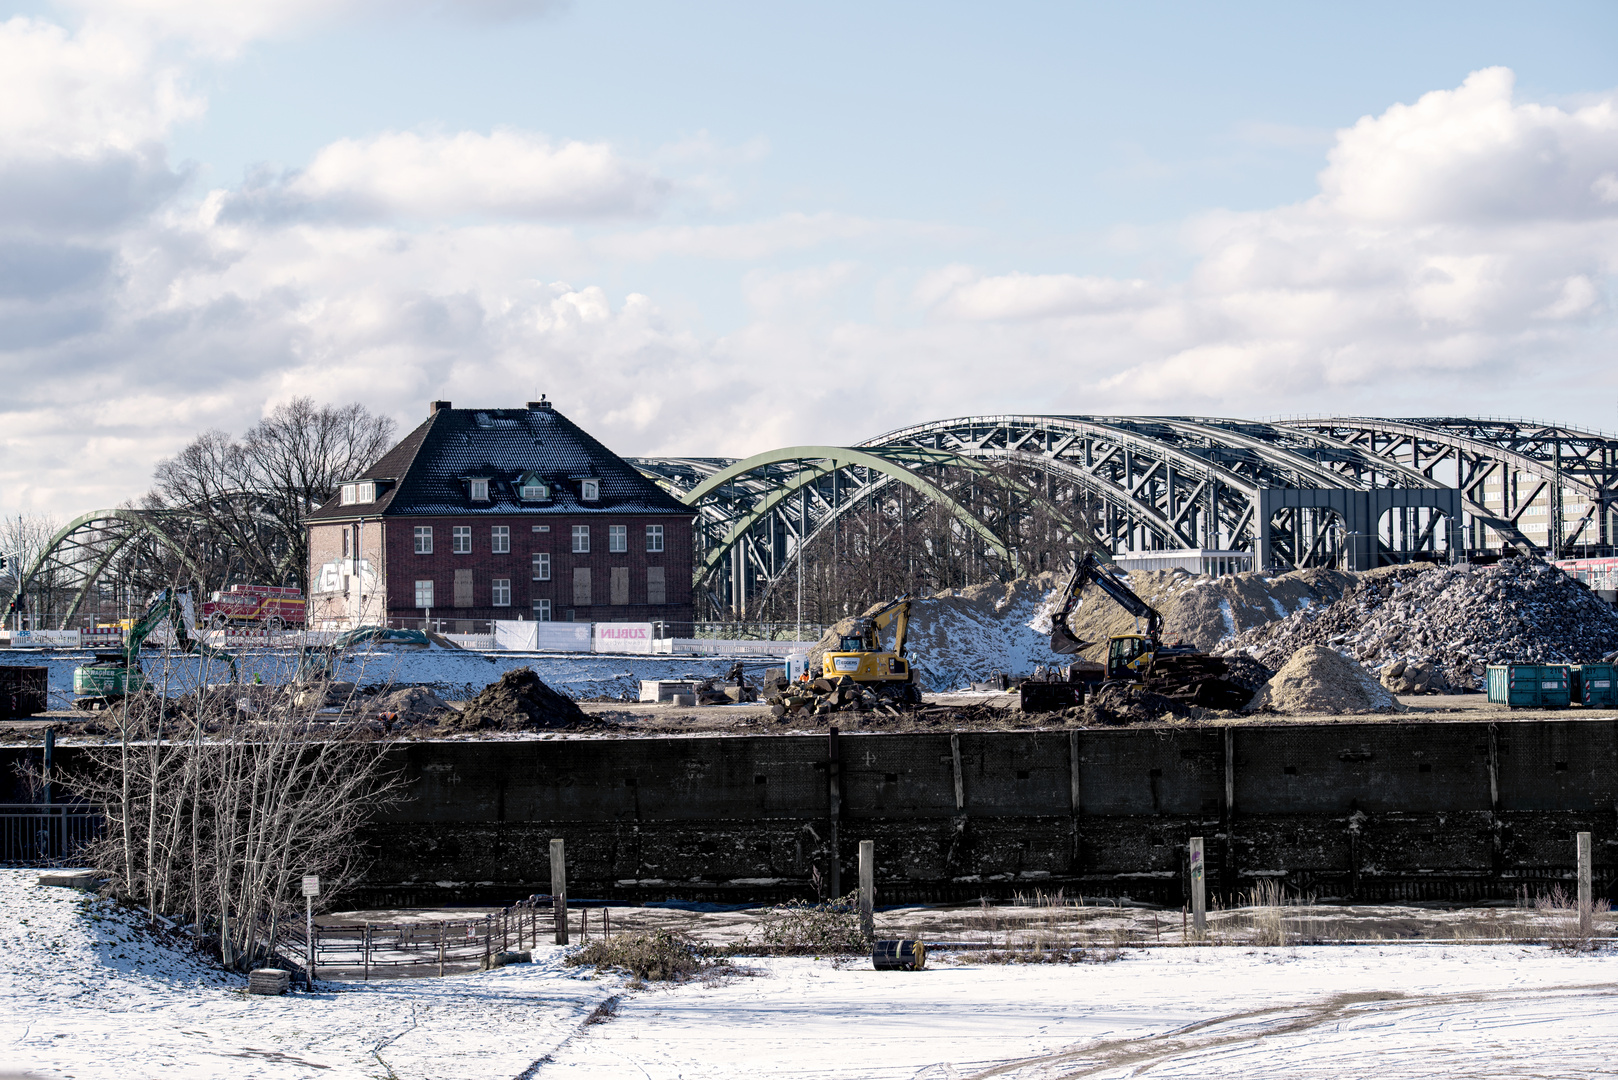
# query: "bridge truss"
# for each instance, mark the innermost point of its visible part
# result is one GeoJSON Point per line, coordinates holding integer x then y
{"type": "Point", "coordinates": [1419, 488]}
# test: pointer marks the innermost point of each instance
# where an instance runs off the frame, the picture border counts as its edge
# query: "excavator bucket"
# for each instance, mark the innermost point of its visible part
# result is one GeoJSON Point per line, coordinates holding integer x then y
{"type": "Point", "coordinates": [1063, 641]}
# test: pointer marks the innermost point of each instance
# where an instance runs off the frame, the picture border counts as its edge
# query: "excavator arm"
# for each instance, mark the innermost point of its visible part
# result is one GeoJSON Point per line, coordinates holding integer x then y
{"type": "Point", "coordinates": [897, 615]}
{"type": "Point", "coordinates": [1088, 571]}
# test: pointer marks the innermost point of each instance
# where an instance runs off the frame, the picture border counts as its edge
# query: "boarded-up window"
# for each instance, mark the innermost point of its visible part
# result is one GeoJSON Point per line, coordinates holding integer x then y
{"type": "Point", "coordinates": [654, 585]}
{"type": "Point", "coordinates": [620, 585]}
{"type": "Point", "coordinates": [463, 588]}
{"type": "Point", "coordinates": [581, 586]}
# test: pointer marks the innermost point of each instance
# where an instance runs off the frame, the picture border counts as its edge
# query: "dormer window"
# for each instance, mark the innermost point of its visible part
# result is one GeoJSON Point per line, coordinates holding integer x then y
{"type": "Point", "coordinates": [531, 488]}
{"type": "Point", "coordinates": [480, 490]}
{"type": "Point", "coordinates": [361, 491]}
{"type": "Point", "coordinates": [590, 491]}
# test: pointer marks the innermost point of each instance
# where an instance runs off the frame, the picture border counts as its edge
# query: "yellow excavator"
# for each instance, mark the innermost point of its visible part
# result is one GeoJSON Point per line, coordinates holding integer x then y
{"type": "Point", "coordinates": [860, 656]}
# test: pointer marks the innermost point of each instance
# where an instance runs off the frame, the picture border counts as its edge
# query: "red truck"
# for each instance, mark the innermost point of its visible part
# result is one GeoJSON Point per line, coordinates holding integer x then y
{"type": "Point", "coordinates": [272, 606]}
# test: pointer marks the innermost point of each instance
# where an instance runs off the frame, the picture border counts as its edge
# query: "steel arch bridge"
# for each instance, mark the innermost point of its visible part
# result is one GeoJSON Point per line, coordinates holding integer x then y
{"type": "Point", "coordinates": [126, 546]}
{"type": "Point", "coordinates": [1325, 491]}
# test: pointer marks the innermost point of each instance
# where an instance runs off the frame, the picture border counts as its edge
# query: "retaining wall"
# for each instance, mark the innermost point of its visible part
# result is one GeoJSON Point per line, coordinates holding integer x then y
{"type": "Point", "coordinates": [1368, 811]}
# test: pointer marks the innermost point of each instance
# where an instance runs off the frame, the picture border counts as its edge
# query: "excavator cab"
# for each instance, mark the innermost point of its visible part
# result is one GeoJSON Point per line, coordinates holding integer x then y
{"type": "Point", "coordinates": [1128, 655]}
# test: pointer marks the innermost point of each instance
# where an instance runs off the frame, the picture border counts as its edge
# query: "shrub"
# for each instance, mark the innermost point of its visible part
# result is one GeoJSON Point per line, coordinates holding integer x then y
{"type": "Point", "coordinates": [658, 957]}
{"type": "Point", "coordinates": [799, 926]}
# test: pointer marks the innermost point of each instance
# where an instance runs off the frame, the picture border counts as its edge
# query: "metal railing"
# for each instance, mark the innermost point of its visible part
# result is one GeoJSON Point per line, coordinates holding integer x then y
{"type": "Point", "coordinates": [37, 834]}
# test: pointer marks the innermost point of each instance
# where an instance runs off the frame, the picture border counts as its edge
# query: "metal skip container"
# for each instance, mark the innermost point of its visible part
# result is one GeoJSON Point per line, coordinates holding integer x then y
{"type": "Point", "coordinates": [1529, 686]}
{"type": "Point", "coordinates": [899, 955]}
{"type": "Point", "coordinates": [1595, 684]}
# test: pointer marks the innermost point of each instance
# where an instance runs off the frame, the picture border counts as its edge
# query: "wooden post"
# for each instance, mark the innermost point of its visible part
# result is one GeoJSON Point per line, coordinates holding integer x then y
{"type": "Point", "coordinates": [1199, 888]}
{"type": "Point", "coordinates": [868, 888]}
{"type": "Point", "coordinates": [559, 889]}
{"type": "Point", "coordinates": [309, 932]}
{"type": "Point", "coordinates": [443, 928]}
{"type": "Point", "coordinates": [1586, 905]}
{"type": "Point", "coordinates": [835, 878]}
{"type": "Point", "coordinates": [365, 951]}
{"type": "Point", "coordinates": [606, 925]}
{"type": "Point", "coordinates": [488, 940]}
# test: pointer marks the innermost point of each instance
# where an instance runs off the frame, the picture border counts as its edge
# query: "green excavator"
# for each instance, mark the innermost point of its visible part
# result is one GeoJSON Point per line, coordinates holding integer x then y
{"type": "Point", "coordinates": [115, 675]}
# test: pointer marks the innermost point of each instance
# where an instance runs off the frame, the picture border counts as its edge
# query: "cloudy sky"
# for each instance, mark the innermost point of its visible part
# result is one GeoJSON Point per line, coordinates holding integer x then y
{"type": "Point", "coordinates": [715, 228]}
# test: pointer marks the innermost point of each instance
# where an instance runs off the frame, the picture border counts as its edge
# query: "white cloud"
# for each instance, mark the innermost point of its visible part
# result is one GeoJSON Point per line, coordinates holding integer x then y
{"type": "Point", "coordinates": [505, 174]}
{"type": "Point", "coordinates": [1455, 243]}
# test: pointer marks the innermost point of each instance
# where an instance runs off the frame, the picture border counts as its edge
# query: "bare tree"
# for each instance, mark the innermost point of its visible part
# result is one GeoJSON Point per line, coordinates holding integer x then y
{"type": "Point", "coordinates": [248, 499]}
{"type": "Point", "coordinates": [214, 812]}
{"type": "Point", "coordinates": [22, 539]}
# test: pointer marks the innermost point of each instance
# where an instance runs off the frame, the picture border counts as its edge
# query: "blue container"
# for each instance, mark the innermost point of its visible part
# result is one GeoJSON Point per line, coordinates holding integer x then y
{"type": "Point", "coordinates": [1529, 686]}
{"type": "Point", "coordinates": [1595, 685]}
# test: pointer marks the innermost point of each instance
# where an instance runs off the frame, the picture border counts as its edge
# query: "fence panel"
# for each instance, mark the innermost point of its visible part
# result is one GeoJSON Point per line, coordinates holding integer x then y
{"type": "Point", "coordinates": [34, 834]}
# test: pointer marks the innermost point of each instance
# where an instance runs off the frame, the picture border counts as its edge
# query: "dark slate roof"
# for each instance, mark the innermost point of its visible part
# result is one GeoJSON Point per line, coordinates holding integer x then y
{"type": "Point", "coordinates": [429, 468]}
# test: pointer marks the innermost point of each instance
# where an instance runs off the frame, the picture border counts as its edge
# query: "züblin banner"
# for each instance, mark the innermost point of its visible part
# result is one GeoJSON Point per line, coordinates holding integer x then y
{"type": "Point", "coordinates": [623, 637]}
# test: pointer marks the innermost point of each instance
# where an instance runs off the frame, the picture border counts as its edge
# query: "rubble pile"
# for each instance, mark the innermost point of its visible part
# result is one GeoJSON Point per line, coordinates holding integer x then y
{"type": "Point", "coordinates": [409, 705]}
{"type": "Point", "coordinates": [1435, 629]}
{"type": "Point", "coordinates": [1320, 680]}
{"type": "Point", "coordinates": [819, 697]}
{"type": "Point", "coordinates": [519, 701]}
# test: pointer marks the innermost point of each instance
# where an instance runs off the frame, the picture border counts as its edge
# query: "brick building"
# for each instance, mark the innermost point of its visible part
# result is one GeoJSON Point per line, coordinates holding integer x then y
{"type": "Point", "coordinates": [498, 514]}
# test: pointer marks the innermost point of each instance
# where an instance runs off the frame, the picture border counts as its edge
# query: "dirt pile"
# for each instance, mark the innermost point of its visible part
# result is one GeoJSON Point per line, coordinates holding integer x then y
{"type": "Point", "coordinates": [1318, 680]}
{"type": "Point", "coordinates": [519, 701]}
{"type": "Point", "coordinates": [1445, 625]}
{"type": "Point", "coordinates": [1201, 610]}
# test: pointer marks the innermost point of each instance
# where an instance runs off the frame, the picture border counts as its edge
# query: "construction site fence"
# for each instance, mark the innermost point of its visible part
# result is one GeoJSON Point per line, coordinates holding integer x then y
{"type": "Point", "coordinates": [36, 834]}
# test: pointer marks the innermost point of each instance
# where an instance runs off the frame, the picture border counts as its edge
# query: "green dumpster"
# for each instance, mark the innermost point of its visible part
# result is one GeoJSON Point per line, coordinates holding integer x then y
{"type": "Point", "coordinates": [1529, 686]}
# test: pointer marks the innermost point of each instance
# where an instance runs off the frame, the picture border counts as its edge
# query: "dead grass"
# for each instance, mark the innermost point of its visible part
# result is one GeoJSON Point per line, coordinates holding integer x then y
{"type": "Point", "coordinates": [661, 956]}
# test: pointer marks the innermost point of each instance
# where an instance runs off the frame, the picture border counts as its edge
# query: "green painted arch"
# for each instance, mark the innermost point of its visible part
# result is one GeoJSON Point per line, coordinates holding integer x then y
{"type": "Point", "coordinates": [835, 457]}
{"type": "Point", "coordinates": [136, 522]}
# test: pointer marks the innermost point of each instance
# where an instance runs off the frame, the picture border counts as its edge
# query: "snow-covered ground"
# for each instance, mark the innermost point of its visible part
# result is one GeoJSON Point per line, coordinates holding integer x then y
{"type": "Point", "coordinates": [84, 995]}
{"type": "Point", "coordinates": [453, 674]}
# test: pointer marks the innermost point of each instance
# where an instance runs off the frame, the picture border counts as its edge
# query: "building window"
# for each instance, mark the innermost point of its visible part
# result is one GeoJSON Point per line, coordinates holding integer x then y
{"type": "Point", "coordinates": [581, 586]}
{"type": "Point", "coordinates": [618, 585]}
{"type": "Point", "coordinates": [534, 489]}
{"type": "Point", "coordinates": [345, 542]}
{"type": "Point", "coordinates": [463, 588]}
{"type": "Point", "coordinates": [424, 539]}
{"type": "Point", "coordinates": [500, 539]}
{"type": "Point", "coordinates": [358, 493]}
{"type": "Point", "coordinates": [654, 538]}
{"type": "Point", "coordinates": [655, 592]}
{"type": "Point", "coordinates": [460, 537]}
{"type": "Point", "coordinates": [581, 539]}
{"type": "Point", "coordinates": [424, 594]}
{"type": "Point", "coordinates": [590, 491]}
{"type": "Point", "coordinates": [617, 538]}
{"type": "Point", "coordinates": [542, 566]}
{"type": "Point", "coordinates": [480, 491]}
{"type": "Point", "coordinates": [542, 611]}
{"type": "Point", "coordinates": [501, 588]}
{"type": "Point", "coordinates": [542, 528]}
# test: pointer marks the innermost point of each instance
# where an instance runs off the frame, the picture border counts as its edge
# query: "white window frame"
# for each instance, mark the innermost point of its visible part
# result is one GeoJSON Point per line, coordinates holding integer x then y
{"type": "Point", "coordinates": [654, 538]}
{"type": "Point", "coordinates": [500, 539]}
{"type": "Point", "coordinates": [542, 611]}
{"type": "Point", "coordinates": [590, 491]}
{"type": "Point", "coordinates": [617, 538]}
{"type": "Point", "coordinates": [534, 490]}
{"type": "Point", "coordinates": [581, 539]}
{"type": "Point", "coordinates": [542, 566]}
{"type": "Point", "coordinates": [359, 491]}
{"type": "Point", "coordinates": [500, 592]}
{"type": "Point", "coordinates": [424, 591]}
{"type": "Point", "coordinates": [459, 534]}
{"type": "Point", "coordinates": [424, 539]}
{"type": "Point", "coordinates": [480, 491]}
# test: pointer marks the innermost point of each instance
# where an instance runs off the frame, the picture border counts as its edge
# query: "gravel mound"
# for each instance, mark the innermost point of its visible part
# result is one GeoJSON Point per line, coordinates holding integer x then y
{"type": "Point", "coordinates": [1321, 680]}
{"type": "Point", "coordinates": [412, 705]}
{"type": "Point", "coordinates": [1445, 625]}
{"type": "Point", "coordinates": [520, 700]}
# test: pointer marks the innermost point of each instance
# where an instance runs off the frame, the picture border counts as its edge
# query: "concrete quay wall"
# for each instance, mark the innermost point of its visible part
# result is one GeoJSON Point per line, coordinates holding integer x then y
{"type": "Point", "coordinates": [1463, 811]}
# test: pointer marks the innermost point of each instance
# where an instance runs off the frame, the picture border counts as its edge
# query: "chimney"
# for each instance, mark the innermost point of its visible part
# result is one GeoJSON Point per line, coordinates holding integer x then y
{"type": "Point", "coordinates": [434, 406]}
{"type": "Point", "coordinates": [540, 404]}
